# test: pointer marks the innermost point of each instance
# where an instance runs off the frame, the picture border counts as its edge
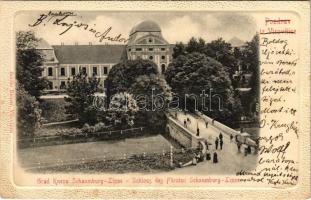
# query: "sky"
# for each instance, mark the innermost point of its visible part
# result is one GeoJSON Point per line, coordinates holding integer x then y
{"type": "Point", "coordinates": [175, 26]}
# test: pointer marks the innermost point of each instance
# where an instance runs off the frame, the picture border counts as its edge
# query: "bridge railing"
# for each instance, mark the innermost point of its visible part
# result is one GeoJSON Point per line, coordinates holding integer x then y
{"type": "Point", "coordinates": [225, 129]}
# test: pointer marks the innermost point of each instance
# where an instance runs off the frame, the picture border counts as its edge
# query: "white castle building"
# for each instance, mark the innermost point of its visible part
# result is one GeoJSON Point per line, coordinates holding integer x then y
{"type": "Point", "coordinates": [62, 62]}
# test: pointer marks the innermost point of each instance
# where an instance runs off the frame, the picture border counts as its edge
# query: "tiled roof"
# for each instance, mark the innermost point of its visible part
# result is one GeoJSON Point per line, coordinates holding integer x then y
{"type": "Point", "coordinates": [43, 44]}
{"type": "Point", "coordinates": [88, 54]}
{"type": "Point", "coordinates": [49, 56]}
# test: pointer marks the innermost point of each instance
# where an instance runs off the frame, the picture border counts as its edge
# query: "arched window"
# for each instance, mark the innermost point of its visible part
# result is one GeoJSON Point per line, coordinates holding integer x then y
{"type": "Point", "coordinates": [162, 57]}
{"type": "Point", "coordinates": [150, 57]}
{"type": "Point", "coordinates": [163, 68]}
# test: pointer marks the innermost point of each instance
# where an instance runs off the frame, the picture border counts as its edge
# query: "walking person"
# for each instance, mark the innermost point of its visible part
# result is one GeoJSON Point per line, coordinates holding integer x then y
{"type": "Point", "coordinates": [231, 137]}
{"type": "Point", "coordinates": [245, 151]}
{"type": "Point", "coordinates": [188, 120]}
{"type": "Point", "coordinates": [215, 159]}
{"type": "Point", "coordinates": [206, 124]}
{"type": "Point", "coordinates": [185, 123]}
{"type": "Point", "coordinates": [194, 159]}
{"type": "Point", "coordinates": [198, 131]}
{"type": "Point", "coordinates": [239, 147]}
{"type": "Point", "coordinates": [249, 149]}
{"type": "Point", "coordinates": [221, 143]}
{"type": "Point", "coordinates": [216, 143]}
{"type": "Point", "coordinates": [206, 144]}
{"type": "Point", "coordinates": [220, 136]}
{"type": "Point", "coordinates": [208, 155]}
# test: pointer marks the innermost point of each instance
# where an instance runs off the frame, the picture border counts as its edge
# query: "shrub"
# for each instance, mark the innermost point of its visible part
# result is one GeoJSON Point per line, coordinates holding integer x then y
{"type": "Point", "coordinates": [53, 110]}
{"type": "Point", "coordinates": [29, 114]}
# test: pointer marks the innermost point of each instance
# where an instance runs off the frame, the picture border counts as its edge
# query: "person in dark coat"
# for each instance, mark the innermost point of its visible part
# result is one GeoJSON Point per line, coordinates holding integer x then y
{"type": "Point", "coordinates": [239, 146]}
{"type": "Point", "coordinates": [220, 136]}
{"type": "Point", "coordinates": [231, 137]}
{"type": "Point", "coordinates": [249, 150]}
{"type": "Point", "coordinates": [198, 132]}
{"type": "Point", "coordinates": [206, 124]}
{"type": "Point", "coordinates": [215, 159]}
{"type": "Point", "coordinates": [221, 143]}
{"type": "Point", "coordinates": [216, 143]}
{"type": "Point", "coordinates": [194, 159]}
{"type": "Point", "coordinates": [185, 123]}
{"type": "Point", "coordinates": [206, 144]}
{"type": "Point", "coordinates": [208, 156]}
{"type": "Point", "coordinates": [188, 120]}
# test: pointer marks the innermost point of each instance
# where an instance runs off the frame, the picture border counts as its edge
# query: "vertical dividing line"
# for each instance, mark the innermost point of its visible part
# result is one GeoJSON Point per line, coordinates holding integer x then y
{"type": "Point", "coordinates": [171, 156]}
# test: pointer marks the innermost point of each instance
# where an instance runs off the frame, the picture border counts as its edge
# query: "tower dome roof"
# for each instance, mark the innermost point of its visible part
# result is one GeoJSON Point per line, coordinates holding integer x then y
{"type": "Point", "coordinates": [146, 26]}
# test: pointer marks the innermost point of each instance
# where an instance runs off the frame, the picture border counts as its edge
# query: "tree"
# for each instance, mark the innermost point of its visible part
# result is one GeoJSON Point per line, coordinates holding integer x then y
{"type": "Point", "coordinates": [153, 96]}
{"type": "Point", "coordinates": [179, 49]}
{"type": "Point", "coordinates": [29, 114]}
{"type": "Point", "coordinates": [194, 73]}
{"type": "Point", "coordinates": [250, 60]}
{"type": "Point", "coordinates": [122, 110]}
{"type": "Point", "coordinates": [81, 91]}
{"type": "Point", "coordinates": [218, 49]}
{"type": "Point", "coordinates": [123, 74]}
{"type": "Point", "coordinates": [28, 63]}
{"type": "Point", "coordinates": [222, 51]}
{"type": "Point", "coordinates": [195, 45]}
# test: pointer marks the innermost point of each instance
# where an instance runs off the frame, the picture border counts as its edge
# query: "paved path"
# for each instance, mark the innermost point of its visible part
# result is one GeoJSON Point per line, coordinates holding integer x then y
{"type": "Point", "coordinates": [229, 160]}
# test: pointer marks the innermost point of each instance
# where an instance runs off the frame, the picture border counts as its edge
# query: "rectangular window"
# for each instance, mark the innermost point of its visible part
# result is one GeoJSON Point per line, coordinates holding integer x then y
{"type": "Point", "coordinates": [73, 71]}
{"type": "Point", "coordinates": [162, 49]}
{"type": "Point", "coordinates": [105, 72]}
{"type": "Point", "coordinates": [150, 49]}
{"type": "Point", "coordinates": [50, 71]}
{"type": "Point", "coordinates": [83, 70]}
{"type": "Point", "coordinates": [62, 71]}
{"type": "Point", "coordinates": [62, 85]}
{"type": "Point", "coordinates": [95, 71]}
{"type": "Point", "coordinates": [138, 49]}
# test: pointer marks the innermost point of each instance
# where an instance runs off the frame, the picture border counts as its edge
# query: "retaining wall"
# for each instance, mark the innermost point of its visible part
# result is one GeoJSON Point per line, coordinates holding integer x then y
{"type": "Point", "coordinates": [182, 135]}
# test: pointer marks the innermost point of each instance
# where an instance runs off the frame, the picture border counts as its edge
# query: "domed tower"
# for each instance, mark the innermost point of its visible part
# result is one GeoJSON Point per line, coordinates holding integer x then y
{"type": "Point", "coordinates": [146, 42]}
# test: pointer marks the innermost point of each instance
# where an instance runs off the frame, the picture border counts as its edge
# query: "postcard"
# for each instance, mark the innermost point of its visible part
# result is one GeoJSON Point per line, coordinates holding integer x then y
{"type": "Point", "coordinates": [155, 100]}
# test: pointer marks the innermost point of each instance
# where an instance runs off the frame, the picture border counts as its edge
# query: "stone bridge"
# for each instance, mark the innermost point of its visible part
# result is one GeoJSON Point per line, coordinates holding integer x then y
{"type": "Point", "coordinates": [187, 135]}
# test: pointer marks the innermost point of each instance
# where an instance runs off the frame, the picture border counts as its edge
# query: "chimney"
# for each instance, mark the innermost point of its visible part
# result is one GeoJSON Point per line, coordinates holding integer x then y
{"type": "Point", "coordinates": [90, 43]}
{"type": "Point", "coordinates": [76, 43]}
{"type": "Point", "coordinates": [62, 43]}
